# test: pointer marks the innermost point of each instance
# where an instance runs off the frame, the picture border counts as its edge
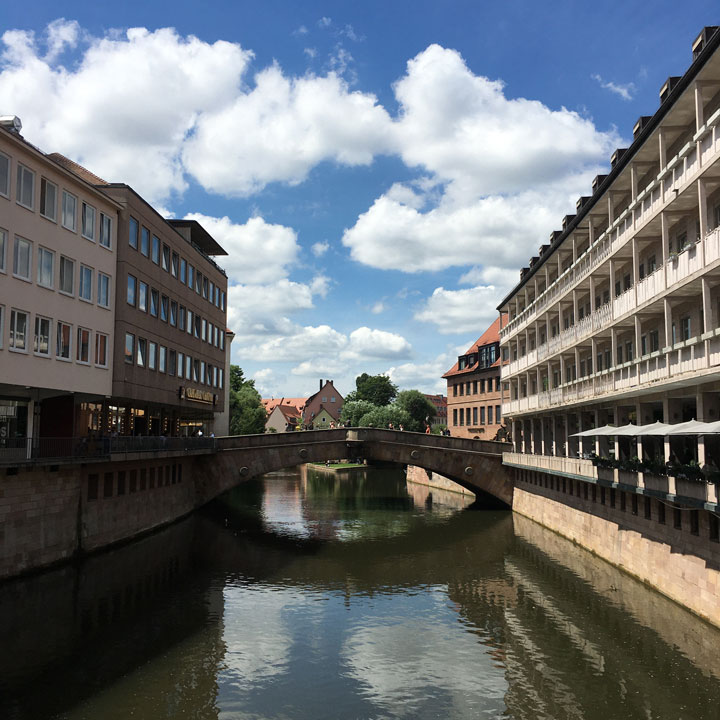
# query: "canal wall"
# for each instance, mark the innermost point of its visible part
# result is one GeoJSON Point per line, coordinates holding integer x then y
{"type": "Point", "coordinates": [49, 514]}
{"type": "Point", "coordinates": [671, 548]}
{"type": "Point", "coordinates": [420, 476]}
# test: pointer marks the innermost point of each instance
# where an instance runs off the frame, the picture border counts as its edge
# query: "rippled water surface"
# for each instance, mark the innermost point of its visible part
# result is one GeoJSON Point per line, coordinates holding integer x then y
{"type": "Point", "coordinates": [311, 595]}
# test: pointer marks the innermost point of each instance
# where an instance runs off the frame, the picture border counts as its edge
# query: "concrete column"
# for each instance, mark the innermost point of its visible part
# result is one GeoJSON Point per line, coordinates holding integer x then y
{"type": "Point", "coordinates": [700, 415]}
{"type": "Point", "coordinates": [592, 295]}
{"type": "Point", "coordinates": [703, 215]}
{"type": "Point", "coordinates": [576, 350]}
{"type": "Point", "coordinates": [593, 354]}
{"type": "Point", "coordinates": [699, 115]}
{"type": "Point", "coordinates": [591, 231]}
{"type": "Point", "coordinates": [562, 369]}
{"type": "Point", "coordinates": [542, 436]}
{"type": "Point", "coordinates": [708, 323]}
{"type": "Point", "coordinates": [636, 266]}
{"type": "Point", "coordinates": [667, 419]}
{"type": "Point", "coordinates": [616, 440]}
{"type": "Point", "coordinates": [576, 314]}
{"type": "Point", "coordinates": [574, 248]}
{"type": "Point", "coordinates": [612, 284]}
{"type": "Point", "coordinates": [665, 237]}
{"type": "Point", "coordinates": [611, 208]}
{"type": "Point", "coordinates": [662, 148]}
{"type": "Point", "coordinates": [567, 435]}
{"type": "Point", "coordinates": [613, 345]}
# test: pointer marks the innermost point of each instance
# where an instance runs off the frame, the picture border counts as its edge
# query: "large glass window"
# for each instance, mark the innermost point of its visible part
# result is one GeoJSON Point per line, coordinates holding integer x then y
{"type": "Point", "coordinates": [156, 249]}
{"type": "Point", "coordinates": [166, 258]}
{"type": "Point", "coordinates": [198, 282]}
{"type": "Point", "coordinates": [173, 313]}
{"type": "Point", "coordinates": [48, 199]}
{"type": "Point", "coordinates": [25, 187]}
{"type": "Point", "coordinates": [103, 290]}
{"type": "Point", "coordinates": [83, 345]}
{"type": "Point", "coordinates": [141, 357]}
{"type": "Point", "coordinates": [154, 302]}
{"type": "Point", "coordinates": [86, 283]}
{"type": "Point", "coordinates": [101, 344]}
{"type": "Point", "coordinates": [4, 175]}
{"type": "Point", "coordinates": [133, 232]}
{"type": "Point", "coordinates": [180, 365]}
{"type": "Point", "coordinates": [69, 211]}
{"type": "Point", "coordinates": [22, 258]}
{"type": "Point", "coordinates": [88, 221]}
{"type": "Point", "coordinates": [183, 271]}
{"type": "Point", "coordinates": [67, 275]}
{"type": "Point", "coordinates": [46, 267]}
{"type": "Point", "coordinates": [152, 356]}
{"type": "Point", "coordinates": [164, 301]}
{"type": "Point", "coordinates": [129, 347]}
{"type": "Point", "coordinates": [190, 276]}
{"type": "Point", "coordinates": [205, 288]}
{"type": "Point", "coordinates": [3, 246]}
{"type": "Point", "coordinates": [18, 330]}
{"type": "Point", "coordinates": [188, 366]}
{"type": "Point", "coordinates": [64, 337]}
{"type": "Point", "coordinates": [145, 242]}
{"type": "Point", "coordinates": [174, 264]}
{"type": "Point", "coordinates": [143, 296]}
{"type": "Point", "coordinates": [131, 290]}
{"type": "Point", "coordinates": [181, 317]}
{"type": "Point", "coordinates": [162, 359]}
{"type": "Point", "coordinates": [172, 362]}
{"type": "Point", "coordinates": [105, 230]}
{"type": "Point", "coordinates": [42, 335]}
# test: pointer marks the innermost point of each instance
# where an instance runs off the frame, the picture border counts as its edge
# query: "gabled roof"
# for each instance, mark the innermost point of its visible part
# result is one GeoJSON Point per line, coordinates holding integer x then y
{"type": "Point", "coordinates": [289, 412]}
{"type": "Point", "coordinates": [271, 403]}
{"type": "Point", "coordinates": [490, 336]}
{"type": "Point", "coordinates": [315, 394]}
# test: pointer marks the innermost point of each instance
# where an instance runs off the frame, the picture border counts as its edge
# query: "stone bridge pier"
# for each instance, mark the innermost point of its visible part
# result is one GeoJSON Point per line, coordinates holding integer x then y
{"type": "Point", "coordinates": [473, 464]}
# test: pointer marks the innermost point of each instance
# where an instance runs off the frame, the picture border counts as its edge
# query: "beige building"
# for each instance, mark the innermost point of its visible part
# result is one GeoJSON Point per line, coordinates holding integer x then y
{"type": "Point", "coordinates": [58, 241]}
{"type": "Point", "coordinates": [617, 319]}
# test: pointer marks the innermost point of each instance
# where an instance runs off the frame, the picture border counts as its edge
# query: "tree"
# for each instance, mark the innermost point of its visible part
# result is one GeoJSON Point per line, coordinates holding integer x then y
{"type": "Point", "coordinates": [418, 407]}
{"type": "Point", "coordinates": [381, 417]}
{"type": "Point", "coordinates": [353, 411]}
{"type": "Point", "coordinates": [247, 414]}
{"type": "Point", "coordinates": [377, 389]}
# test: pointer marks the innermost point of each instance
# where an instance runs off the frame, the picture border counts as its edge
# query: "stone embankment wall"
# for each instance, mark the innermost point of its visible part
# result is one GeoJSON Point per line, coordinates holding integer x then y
{"type": "Point", "coordinates": [49, 514]}
{"type": "Point", "coordinates": [420, 476]}
{"type": "Point", "coordinates": [674, 549]}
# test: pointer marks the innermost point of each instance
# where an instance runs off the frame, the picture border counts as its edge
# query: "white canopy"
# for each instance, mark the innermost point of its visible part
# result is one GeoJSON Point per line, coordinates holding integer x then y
{"type": "Point", "coordinates": [657, 428]}
{"type": "Point", "coordinates": [691, 427]}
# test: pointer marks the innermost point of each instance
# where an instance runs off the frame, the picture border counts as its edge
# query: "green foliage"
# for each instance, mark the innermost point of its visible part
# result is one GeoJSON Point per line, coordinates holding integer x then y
{"type": "Point", "coordinates": [247, 414]}
{"type": "Point", "coordinates": [417, 406]}
{"type": "Point", "coordinates": [377, 389]}
{"type": "Point", "coordinates": [354, 410]}
{"type": "Point", "coordinates": [381, 417]}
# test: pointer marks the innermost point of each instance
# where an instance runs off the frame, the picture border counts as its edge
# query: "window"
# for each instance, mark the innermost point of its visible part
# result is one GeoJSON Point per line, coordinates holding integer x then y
{"type": "Point", "coordinates": [654, 341]}
{"type": "Point", "coordinates": [103, 292]}
{"type": "Point", "coordinates": [181, 317]}
{"type": "Point", "coordinates": [205, 288]}
{"type": "Point", "coordinates": [133, 232]}
{"type": "Point", "coordinates": [41, 345]}
{"type": "Point", "coordinates": [83, 345]}
{"type": "Point", "coordinates": [155, 249]}
{"type": "Point", "coordinates": [152, 356]}
{"type": "Point", "coordinates": [64, 336]}
{"type": "Point", "coordinates": [475, 416]}
{"type": "Point", "coordinates": [3, 245]}
{"type": "Point", "coordinates": [18, 330]}
{"type": "Point", "coordinates": [46, 267]}
{"type": "Point", "coordinates": [455, 416]}
{"type": "Point", "coordinates": [212, 291]}
{"type": "Point", "coordinates": [4, 175]}
{"type": "Point", "coordinates": [222, 340]}
{"type": "Point", "coordinates": [173, 313]}
{"type": "Point", "coordinates": [203, 330]}
{"type": "Point", "coordinates": [462, 416]}
{"type": "Point", "coordinates": [166, 258]}
{"type": "Point", "coordinates": [222, 297]}
{"type": "Point", "coordinates": [685, 328]}
{"type": "Point", "coordinates": [183, 271]}
{"type": "Point", "coordinates": [131, 290]}
{"type": "Point", "coordinates": [201, 377]}
{"type": "Point", "coordinates": [180, 364]}
{"type": "Point", "coordinates": [162, 359]}
{"type": "Point", "coordinates": [188, 366]}
{"type": "Point", "coordinates": [497, 414]}
{"type": "Point", "coordinates": [190, 276]}
{"type": "Point", "coordinates": [145, 242]}
{"type": "Point", "coordinates": [174, 264]}
{"type": "Point", "coordinates": [25, 186]}
{"type": "Point", "coordinates": [197, 326]}
{"type": "Point", "coordinates": [490, 414]}
{"type": "Point", "coordinates": [86, 283]}
{"type": "Point", "coordinates": [101, 342]}
{"type": "Point", "coordinates": [482, 386]}
{"type": "Point", "coordinates": [48, 199]}
{"type": "Point", "coordinates": [22, 260]}
{"type": "Point", "coordinates": [195, 370]}
{"type": "Point", "coordinates": [217, 296]}
{"type": "Point", "coordinates": [482, 415]}
{"type": "Point", "coordinates": [220, 377]}
{"type": "Point", "coordinates": [198, 283]}
{"type": "Point", "coordinates": [154, 300]}
{"type": "Point", "coordinates": [143, 296]}
{"type": "Point", "coordinates": [141, 357]}
{"type": "Point", "coordinates": [67, 275]}
{"type": "Point", "coordinates": [129, 347]}
{"type": "Point", "coordinates": [164, 301]}
{"type": "Point", "coordinates": [105, 230]}
{"type": "Point", "coordinates": [172, 362]}
{"type": "Point", "coordinates": [88, 221]}
{"type": "Point", "coordinates": [69, 209]}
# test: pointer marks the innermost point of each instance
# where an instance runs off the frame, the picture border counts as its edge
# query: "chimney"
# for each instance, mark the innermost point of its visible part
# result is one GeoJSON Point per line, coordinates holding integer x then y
{"type": "Point", "coordinates": [321, 383]}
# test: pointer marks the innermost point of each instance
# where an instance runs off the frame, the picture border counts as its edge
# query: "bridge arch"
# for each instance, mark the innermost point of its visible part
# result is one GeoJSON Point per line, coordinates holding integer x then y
{"type": "Point", "coordinates": [474, 464]}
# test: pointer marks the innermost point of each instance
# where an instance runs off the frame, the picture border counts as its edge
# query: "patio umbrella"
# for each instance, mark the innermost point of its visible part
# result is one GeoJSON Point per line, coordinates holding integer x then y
{"type": "Point", "coordinates": [657, 428]}
{"type": "Point", "coordinates": [597, 432]}
{"type": "Point", "coordinates": [691, 427]}
{"type": "Point", "coordinates": [628, 430]}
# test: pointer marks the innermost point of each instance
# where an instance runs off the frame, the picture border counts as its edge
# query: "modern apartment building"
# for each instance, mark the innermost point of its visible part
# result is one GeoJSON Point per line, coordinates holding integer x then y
{"type": "Point", "coordinates": [617, 319]}
{"type": "Point", "coordinates": [58, 243]}
{"type": "Point", "coordinates": [473, 389]}
{"type": "Point", "coordinates": [169, 373]}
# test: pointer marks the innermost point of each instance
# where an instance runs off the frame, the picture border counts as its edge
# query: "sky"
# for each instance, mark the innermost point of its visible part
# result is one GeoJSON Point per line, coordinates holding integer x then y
{"type": "Point", "coordinates": [378, 170]}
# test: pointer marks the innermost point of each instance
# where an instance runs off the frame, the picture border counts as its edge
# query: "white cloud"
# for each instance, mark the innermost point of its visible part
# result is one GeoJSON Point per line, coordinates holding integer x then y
{"type": "Point", "coordinates": [377, 308]}
{"type": "Point", "coordinates": [320, 248]}
{"type": "Point", "coordinates": [311, 52]}
{"type": "Point", "coordinates": [302, 30]}
{"type": "Point", "coordinates": [320, 285]}
{"type": "Point", "coordinates": [319, 367]}
{"type": "Point", "coordinates": [456, 311]}
{"type": "Point", "coordinates": [258, 252]}
{"type": "Point", "coordinates": [324, 22]}
{"type": "Point", "coordinates": [427, 376]}
{"type": "Point", "coordinates": [626, 91]}
{"type": "Point", "coordinates": [139, 142]}
{"type": "Point", "coordinates": [367, 343]}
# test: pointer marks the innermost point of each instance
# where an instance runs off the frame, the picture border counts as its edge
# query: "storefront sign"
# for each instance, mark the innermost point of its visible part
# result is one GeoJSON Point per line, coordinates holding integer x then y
{"type": "Point", "coordinates": [8, 411]}
{"type": "Point", "coordinates": [202, 396]}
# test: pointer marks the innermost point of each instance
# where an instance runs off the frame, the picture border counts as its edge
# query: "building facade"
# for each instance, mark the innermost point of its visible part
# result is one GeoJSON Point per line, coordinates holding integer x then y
{"type": "Point", "coordinates": [323, 407]}
{"type": "Point", "coordinates": [473, 389]}
{"type": "Point", "coordinates": [169, 371]}
{"type": "Point", "coordinates": [58, 244]}
{"type": "Point", "coordinates": [439, 402]}
{"type": "Point", "coordinates": [617, 319]}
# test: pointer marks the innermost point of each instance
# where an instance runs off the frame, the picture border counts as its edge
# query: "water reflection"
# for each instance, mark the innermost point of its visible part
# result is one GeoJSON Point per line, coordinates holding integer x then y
{"type": "Point", "coordinates": [349, 596]}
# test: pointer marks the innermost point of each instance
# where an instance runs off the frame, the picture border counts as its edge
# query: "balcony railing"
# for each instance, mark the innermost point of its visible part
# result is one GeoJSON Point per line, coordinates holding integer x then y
{"type": "Point", "coordinates": [15, 450]}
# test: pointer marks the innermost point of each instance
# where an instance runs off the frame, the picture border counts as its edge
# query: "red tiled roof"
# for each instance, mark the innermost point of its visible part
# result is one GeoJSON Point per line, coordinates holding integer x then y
{"type": "Point", "coordinates": [77, 169]}
{"type": "Point", "coordinates": [271, 403]}
{"type": "Point", "coordinates": [490, 336]}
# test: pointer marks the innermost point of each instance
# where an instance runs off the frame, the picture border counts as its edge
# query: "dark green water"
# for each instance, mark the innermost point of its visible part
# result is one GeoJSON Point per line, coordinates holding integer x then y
{"type": "Point", "coordinates": [325, 597]}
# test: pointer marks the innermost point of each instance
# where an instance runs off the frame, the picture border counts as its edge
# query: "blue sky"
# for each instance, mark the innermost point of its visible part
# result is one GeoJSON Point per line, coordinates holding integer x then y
{"type": "Point", "coordinates": [379, 171]}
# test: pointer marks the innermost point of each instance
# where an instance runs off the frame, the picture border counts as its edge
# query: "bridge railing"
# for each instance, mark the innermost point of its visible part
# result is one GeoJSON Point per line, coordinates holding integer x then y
{"type": "Point", "coordinates": [435, 441]}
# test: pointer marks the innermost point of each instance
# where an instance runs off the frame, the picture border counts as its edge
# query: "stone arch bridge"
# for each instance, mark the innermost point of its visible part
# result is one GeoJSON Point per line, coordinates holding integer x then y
{"type": "Point", "coordinates": [474, 464]}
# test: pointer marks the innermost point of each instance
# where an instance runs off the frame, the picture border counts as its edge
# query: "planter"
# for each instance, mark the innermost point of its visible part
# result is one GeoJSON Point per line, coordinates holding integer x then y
{"type": "Point", "coordinates": [691, 488]}
{"type": "Point", "coordinates": [659, 483]}
{"type": "Point", "coordinates": [607, 474]}
{"type": "Point", "coordinates": [627, 477]}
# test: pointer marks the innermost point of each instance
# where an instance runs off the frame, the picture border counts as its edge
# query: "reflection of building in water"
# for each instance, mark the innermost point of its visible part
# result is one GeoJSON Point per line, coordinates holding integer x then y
{"type": "Point", "coordinates": [115, 613]}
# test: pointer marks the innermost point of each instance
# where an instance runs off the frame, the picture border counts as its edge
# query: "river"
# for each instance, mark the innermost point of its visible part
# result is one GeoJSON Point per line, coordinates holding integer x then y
{"type": "Point", "coordinates": [306, 594]}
